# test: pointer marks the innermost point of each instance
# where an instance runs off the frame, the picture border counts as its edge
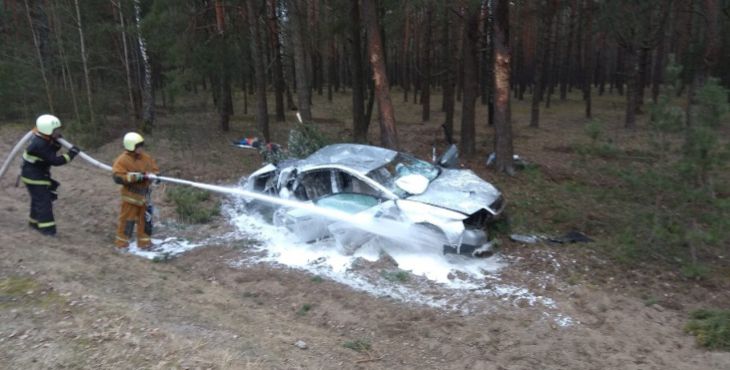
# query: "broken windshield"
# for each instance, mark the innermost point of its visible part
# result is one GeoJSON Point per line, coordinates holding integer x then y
{"type": "Point", "coordinates": [400, 166]}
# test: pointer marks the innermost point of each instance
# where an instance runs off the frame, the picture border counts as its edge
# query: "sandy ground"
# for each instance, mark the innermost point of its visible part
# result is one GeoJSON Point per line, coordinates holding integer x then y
{"type": "Point", "coordinates": [71, 302]}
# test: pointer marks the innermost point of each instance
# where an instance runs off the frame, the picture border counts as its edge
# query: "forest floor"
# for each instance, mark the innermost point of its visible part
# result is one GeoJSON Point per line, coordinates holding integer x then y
{"type": "Point", "coordinates": [72, 302]}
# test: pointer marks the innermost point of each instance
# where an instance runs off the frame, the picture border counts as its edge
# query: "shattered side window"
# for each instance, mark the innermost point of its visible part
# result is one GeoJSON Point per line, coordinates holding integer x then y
{"type": "Point", "coordinates": [351, 184]}
{"type": "Point", "coordinates": [402, 165]}
{"type": "Point", "coordinates": [315, 184]}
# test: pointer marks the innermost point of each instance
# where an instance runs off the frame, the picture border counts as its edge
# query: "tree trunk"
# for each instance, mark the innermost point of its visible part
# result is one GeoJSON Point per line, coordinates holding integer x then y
{"type": "Point", "coordinates": [426, 84]}
{"type": "Point", "coordinates": [278, 71]}
{"type": "Point", "coordinates": [471, 82]}
{"type": "Point", "coordinates": [659, 61]}
{"type": "Point", "coordinates": [125, 59]}
{"type": "Point", "coordinates": [85, 65]}
{"type": "Point", "coordinates": [64, 62]}
{"type": "Point", "coordinates": [644, 61]}
{"type": "Point", "coordinates": [148, 98]}
{"type": "Point", "coordinates": [388, 133]}
{"type": "Point", "coordinates": [503, 128]}
{"type": "Point", "coordinates": [539, 71]}
{"type": "Point", "coordinates": [359, 123]}
{"type": "Point", "coordinates": [588, 50]}
{"type": "Point", "coordinates": [552, 30]}
{"type": "Point", "coordinates": [620, 75]}
{"type": "Point", "coordinates": [710, 54]}
{"type": "Point", "coordinates": [304, 91]}
{"type": "Point", "coordinates": [449, 79]}
{"type": "Point", "coordinates": [633, 74]}
{"type": "Point", "coordinates": [262, 115]}
{"type": "Point", "coordinates": [568, 61]}
{"type": "Point", "coordinates": [41, 62]}
{"type": "Point", "coordinates": [405, 54]}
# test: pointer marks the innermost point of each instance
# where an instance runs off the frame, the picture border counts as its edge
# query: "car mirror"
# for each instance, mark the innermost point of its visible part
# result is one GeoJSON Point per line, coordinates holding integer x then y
{"type": "Point", "coordinates": [412, 184]}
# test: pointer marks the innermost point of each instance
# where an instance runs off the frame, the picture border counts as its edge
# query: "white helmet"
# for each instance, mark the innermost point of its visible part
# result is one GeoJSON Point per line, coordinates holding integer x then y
{"type": "Point", "coordinates": [47, 123]}
{"type": "Point", "coordinates": [131, 140]}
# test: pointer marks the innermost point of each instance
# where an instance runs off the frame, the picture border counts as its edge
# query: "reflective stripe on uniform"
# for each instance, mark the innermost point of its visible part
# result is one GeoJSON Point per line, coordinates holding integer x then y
{"type": "Point", "coordinates": [46, 224]}
{"type": "Point", "coordinates": [122, 239]}
{"type": "Point", "coordinates": [31, 158]}
{"type": "Point", "coordinates": [33, 221]}
{"type": "Point", "coordinates": [67, 157]}
{"type": "Point", "coordinates": [35, 182]}
{"type": "Point", "coordinates": [144, 239]}
{"type": "Point", "coordinates": [136, 202]}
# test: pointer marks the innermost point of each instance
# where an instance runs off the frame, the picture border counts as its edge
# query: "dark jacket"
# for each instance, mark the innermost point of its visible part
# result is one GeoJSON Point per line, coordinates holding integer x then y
{"type": "Point", "coordinates": [38, 159]}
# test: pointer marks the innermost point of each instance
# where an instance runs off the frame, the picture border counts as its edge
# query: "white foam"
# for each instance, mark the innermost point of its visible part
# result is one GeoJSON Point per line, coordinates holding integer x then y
{"type": "Point", "coordinates": [454, 282]}
{"type": "Point", "coordinates": [163, 248]}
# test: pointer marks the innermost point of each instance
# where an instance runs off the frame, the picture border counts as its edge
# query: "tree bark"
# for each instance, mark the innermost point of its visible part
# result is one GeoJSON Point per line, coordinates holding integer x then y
{"type": "Point", "coordinates": [262, 115]}
{"type": "Point", "coordinates": [148, 98]}
{"type": "Point", "coordinates": [503, 128]}
{"type": "Point", "coordinates": [426, 85]}
{"type": "Point", "coordinates": [550, 51]}
{"type": "Point", "coordinates": [644, 61]}
{"type": "Point", "coordinates": [631, 94]}
{"type": "Point", "coordinates": [388, 133]}
{"type": "Point", "coordinates": [41, 62]}
{"type": "Point", "coordinates": [304, 90]}
{"type": "Point", "coordinates": [659, 64]}
{"type": "Point", "coordinates": [588, 50]}
{"type": "Point", "coordinates": [64, 62]}
{"type": "Point", "coordinates": [449, 79]}
{"type": "Point", "coordinates": [540, 55]}
{"type": "Point", "coordinates": [359, 123]}
{"type": "Point", "coordinates": [568, 61]}
{"type": "Point", "coordinates": [278, 71]}
{"type": "Point", "coordinates": [471, 82]}
{"type": "Point", "coordinates": [405, 54]}
{"type": "Point", "coordinates": [125, 60]}
{"type": "Point", "coordinates": [85, 65]}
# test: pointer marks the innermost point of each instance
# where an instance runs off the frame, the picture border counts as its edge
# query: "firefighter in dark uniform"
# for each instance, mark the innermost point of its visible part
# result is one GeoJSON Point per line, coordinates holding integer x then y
{"type": "Point", "coordinates": [38, 158]}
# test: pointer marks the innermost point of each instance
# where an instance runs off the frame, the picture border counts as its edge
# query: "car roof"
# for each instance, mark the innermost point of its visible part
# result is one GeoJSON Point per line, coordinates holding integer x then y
{"type": "Point", "coordinates": [361, 158]}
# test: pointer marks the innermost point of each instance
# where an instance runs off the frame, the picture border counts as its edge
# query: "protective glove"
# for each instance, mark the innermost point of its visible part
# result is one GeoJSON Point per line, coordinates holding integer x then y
{"type": "Point", "coordinates": [135, 177]}
{"type": "Point", "coordinates": [73, 152]}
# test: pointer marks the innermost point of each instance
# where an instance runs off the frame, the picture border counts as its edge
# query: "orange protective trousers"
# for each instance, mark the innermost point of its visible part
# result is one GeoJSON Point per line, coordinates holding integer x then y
{"type": "Point", "coordinates": [130, 216]}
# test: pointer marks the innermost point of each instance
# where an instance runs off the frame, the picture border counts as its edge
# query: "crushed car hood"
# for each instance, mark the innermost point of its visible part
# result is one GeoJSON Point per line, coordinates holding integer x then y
{"type": "Point", "coordinates": [459, 190]}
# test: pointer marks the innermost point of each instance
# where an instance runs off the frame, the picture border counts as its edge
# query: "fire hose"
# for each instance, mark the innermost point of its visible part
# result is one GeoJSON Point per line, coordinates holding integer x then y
{"type": "Point", "coordinates": [378, 226]}
{"type": "Point", "coordinates": [214, 188]}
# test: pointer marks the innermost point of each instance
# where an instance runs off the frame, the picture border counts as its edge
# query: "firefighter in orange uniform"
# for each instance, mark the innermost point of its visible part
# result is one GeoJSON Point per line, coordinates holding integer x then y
{"type": "Point", "coordinates": [131, 170]}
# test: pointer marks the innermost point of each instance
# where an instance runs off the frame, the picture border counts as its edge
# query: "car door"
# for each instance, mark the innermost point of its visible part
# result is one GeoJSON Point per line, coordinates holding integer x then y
{"type": "Point", "coordinates": [330, 188]}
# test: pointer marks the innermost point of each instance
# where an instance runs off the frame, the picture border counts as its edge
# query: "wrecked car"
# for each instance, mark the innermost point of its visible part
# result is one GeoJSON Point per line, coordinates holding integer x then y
{"type": "Point", "coordinates": [379, 182]}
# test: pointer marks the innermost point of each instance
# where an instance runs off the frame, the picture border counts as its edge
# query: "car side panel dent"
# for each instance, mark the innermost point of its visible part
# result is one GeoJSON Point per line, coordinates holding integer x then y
{"type": "Point", "coordinates": [450, 222]}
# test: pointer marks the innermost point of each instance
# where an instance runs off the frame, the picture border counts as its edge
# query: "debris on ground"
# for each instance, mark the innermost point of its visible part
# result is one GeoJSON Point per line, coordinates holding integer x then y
{"type": "Point", "coordinates": [572, 236]}
{"type": "Point", "coordinates": [519, 162]}
{"type": "Point", "coordinates": [525, 239]}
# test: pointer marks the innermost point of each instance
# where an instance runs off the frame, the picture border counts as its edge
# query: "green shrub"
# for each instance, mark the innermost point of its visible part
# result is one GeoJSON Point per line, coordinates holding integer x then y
{"type": "Point", "coordinates": [305, 139]}
{"type": "Point", "coordinates": [304, 309]}
{"type": "Point", "coordinates": [192, 205]}
{"type": "Point", "coordinates": [594, 130]}
{"type": "Point", "coordinates": [358, 345]}
{"type": "Point", "coordinates": [397, 275]}
{"type": "Point", "coordinates": [695, 271]}
{"type": "Point", "coordinates": [711, 327]}
{"type": "Point", "coordinates": [317, 279]}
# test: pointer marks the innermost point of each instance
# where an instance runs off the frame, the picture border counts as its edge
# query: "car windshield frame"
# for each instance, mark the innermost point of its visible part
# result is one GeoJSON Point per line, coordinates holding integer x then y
{"type": "Point", "coordinates": [402, 165]}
